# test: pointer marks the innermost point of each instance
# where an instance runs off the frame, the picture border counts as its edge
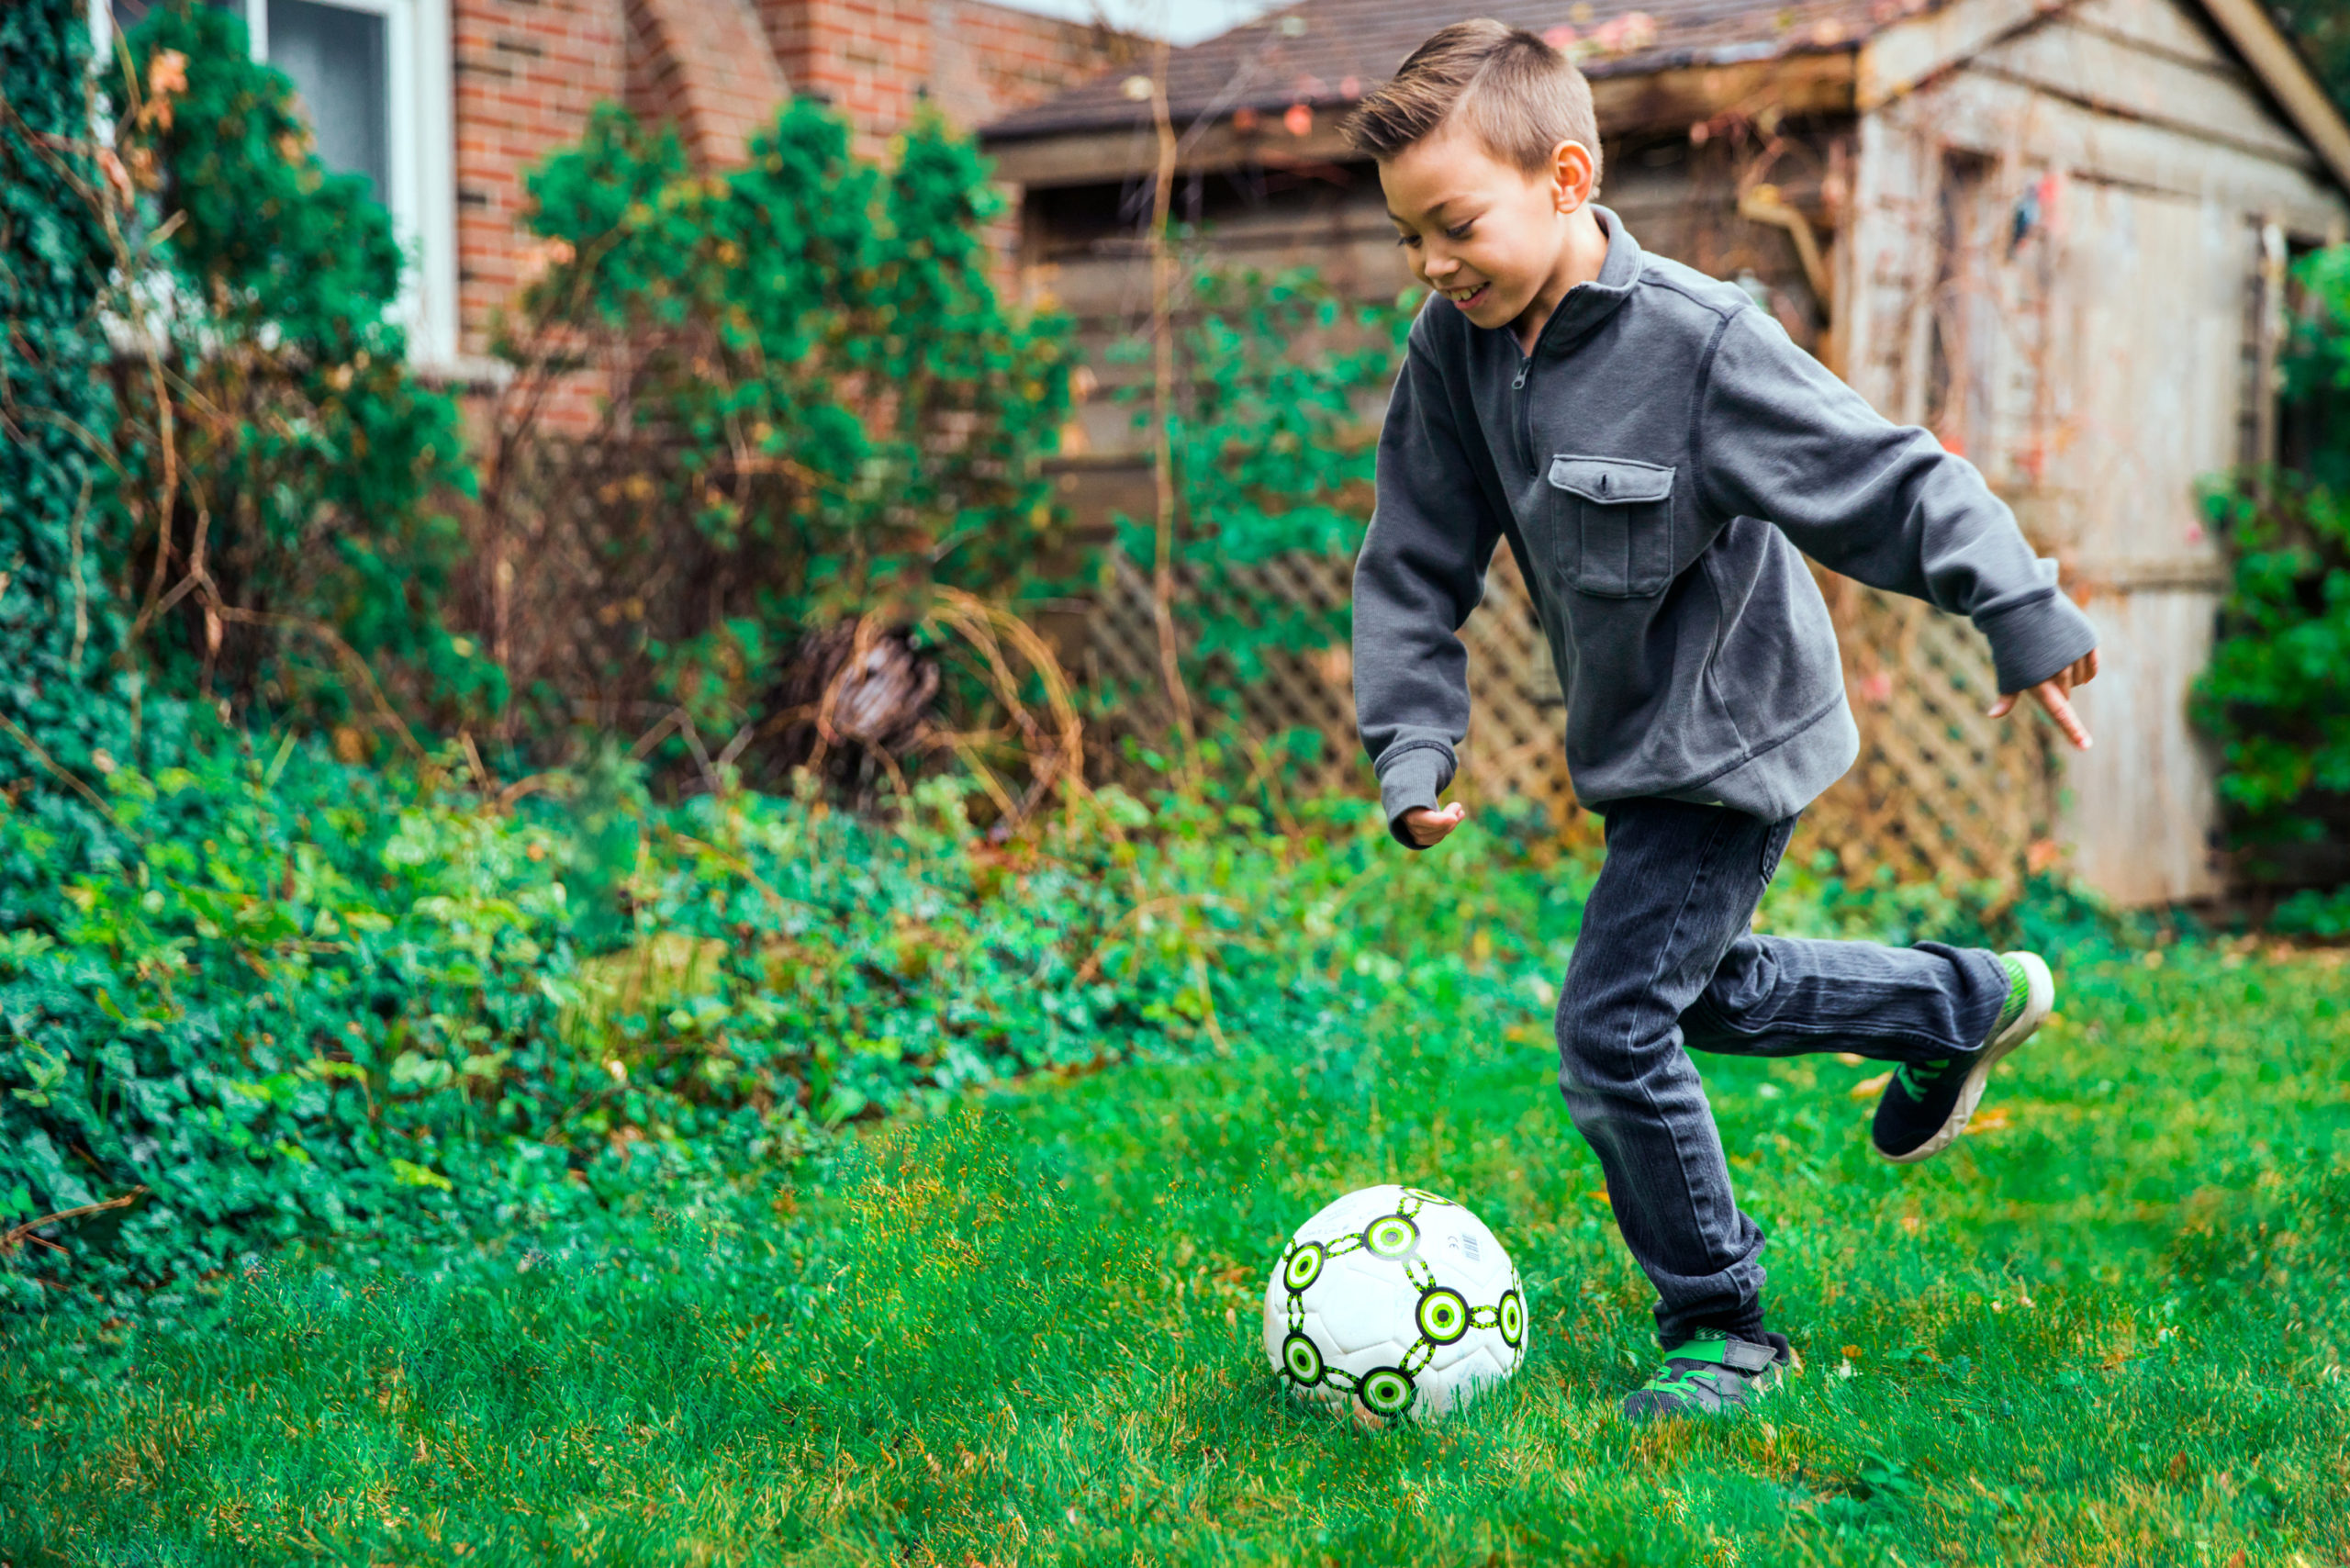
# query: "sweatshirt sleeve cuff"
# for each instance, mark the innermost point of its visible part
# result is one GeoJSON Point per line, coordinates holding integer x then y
{"type": "Point", "coordinates": [2033, 641]}
{"type": "Point", "coordinates": [1411, 780]}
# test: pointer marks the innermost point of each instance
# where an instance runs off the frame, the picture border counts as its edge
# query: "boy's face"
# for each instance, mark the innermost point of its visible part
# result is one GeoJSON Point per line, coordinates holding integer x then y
{"type": "Point", "coordinates": [1485, 234]}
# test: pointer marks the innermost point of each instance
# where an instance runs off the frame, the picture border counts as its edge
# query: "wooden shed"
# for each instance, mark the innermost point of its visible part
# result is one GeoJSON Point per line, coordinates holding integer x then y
{"type": "Point", "coordinates": [2055, 231]}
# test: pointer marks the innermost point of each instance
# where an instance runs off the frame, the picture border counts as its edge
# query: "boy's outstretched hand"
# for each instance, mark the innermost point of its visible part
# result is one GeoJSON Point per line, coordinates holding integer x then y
{"type": "Point", "coordinates": [2050, 694]}
{"type": "Point", "coordinates": [1428, 826]}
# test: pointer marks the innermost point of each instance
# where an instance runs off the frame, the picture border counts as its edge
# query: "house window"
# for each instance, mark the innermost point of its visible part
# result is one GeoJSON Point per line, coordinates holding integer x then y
{"type": "Point", "coordinates": [373, 77]}
{"type": "Point", "coordinates": [339, 57]}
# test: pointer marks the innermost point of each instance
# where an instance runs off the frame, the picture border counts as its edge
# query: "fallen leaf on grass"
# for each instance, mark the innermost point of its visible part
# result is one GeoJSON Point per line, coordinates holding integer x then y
{"type": "Point", "coordinates": [1992, 1121]}
{"type": "Point", "coordinates": [1851, 1058]}
{"type": "Point", "coordinates": [1869, 1088]}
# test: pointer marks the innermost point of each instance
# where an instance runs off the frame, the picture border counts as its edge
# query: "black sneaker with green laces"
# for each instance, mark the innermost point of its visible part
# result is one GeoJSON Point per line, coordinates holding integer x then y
{"type": "Point", "coordinates": [1927, 1105]}
{"type": "Point", "coordinates": [1713, 1374]}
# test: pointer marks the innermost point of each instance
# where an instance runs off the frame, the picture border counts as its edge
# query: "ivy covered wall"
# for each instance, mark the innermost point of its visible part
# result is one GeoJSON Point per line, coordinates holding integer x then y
{"type": "Point", "coordinates": [59, 688]}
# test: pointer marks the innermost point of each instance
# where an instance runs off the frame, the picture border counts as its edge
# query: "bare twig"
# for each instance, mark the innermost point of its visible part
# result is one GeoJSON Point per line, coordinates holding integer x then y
{"type": "Point", "coordinates": [701, 755]}
{"type": "Point", "coordinates": [986, 776]}
{"type": "Point", "coordinates": [522, 787]}
{"type": "Point", "coordinates": [81, 589]}
{"type": "Point", "coordinates": [1260, 763]}
{"type": "Point", "coordinates": [987, 627]}
{"type": "Point", "coordinates": [1207, 1003]}
{"type": "Point", "coordinates": [355, 668]}
{"type": "Point", "coordinates": [741, 866]}
{"type": "Point", "coordinates": [1092, 965]}
{"type": "Point", "coordinates": [653, 736]}
{"type": "Point", "coordinates": [482, 780]}
{"type": "Point", "coordinates": [13, 1238]}
{"type": "Point", "coordinates": [8, 726]}
{"type": "Point", "coordinates": [1162, 339]}
{"type": "Point", "coordinates": [734, 747]}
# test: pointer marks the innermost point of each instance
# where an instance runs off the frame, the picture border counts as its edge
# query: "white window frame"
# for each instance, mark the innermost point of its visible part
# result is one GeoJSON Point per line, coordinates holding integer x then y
{"type": "Point", "coordinates": [422, 198]}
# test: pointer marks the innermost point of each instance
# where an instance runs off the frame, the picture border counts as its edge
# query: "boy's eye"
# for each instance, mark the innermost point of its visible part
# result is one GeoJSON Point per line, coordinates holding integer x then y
{"type": "Point", "coordinates": [1459, 233]}
{"type": "Point", "coordinates": [1407, 239]}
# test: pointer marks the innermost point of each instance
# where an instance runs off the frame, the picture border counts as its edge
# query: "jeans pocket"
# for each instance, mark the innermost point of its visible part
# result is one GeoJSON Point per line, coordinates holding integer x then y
{"type": "Point", "coordinates": [1614, 521]}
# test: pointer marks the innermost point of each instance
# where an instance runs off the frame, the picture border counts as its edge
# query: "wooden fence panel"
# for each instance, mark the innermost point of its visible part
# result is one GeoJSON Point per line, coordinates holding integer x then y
{"type": "Point", "coordinates": [1939, 791]}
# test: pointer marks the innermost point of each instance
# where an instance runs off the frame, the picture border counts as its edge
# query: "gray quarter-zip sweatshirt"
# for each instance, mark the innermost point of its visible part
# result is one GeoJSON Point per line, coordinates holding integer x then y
{"type": "Point", "coordinates": [1656, 465]}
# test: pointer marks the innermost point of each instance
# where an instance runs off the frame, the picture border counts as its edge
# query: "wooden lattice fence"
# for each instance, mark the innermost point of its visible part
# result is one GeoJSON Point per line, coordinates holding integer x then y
{"type": "Point", "coordinates": [1939, 791]}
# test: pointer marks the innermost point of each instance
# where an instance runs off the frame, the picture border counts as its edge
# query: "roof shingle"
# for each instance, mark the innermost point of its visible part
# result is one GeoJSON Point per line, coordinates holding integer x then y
{"type": "Point", "coordinates": [1329, 53]}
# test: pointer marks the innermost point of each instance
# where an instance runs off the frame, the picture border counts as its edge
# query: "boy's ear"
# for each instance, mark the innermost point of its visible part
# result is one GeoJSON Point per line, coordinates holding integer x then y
{"type": "Point", "coordinates": [1572, 170]}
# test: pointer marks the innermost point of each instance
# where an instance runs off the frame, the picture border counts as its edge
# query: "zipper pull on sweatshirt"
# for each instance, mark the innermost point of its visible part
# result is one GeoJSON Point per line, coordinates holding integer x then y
{"type": "Point", "coordinates": [1523, 366]}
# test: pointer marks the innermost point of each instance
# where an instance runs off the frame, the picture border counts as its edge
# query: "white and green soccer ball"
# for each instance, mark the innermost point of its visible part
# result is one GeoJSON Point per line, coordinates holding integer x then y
{"type": "Point", "coordinates": [1394, 1302]}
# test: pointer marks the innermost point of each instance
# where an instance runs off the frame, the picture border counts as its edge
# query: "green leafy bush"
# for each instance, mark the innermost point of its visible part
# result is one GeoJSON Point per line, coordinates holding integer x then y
{"type": "Point", "coordinates": [309, 999]}
{"type": "Point", "coordinates": [283, 505]}
{"type": "Point", "coordinates": [810, 410]}
{"type": "Point", "coordinates": [2272, 694]}
{"type": "Point", "coordinates": [1280, 383]}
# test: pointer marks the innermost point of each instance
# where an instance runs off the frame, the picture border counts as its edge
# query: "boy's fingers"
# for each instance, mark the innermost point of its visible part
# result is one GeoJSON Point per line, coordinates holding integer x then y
{"type": "Point", "coordinates": [1429, 825]}
{"type": "Point", "coordinates": [2051, 694]}
{"type": "Point", "coordinates": [2004, 705]}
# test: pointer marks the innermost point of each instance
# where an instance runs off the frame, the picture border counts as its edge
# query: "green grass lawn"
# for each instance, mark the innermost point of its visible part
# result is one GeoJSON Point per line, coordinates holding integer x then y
{"type": "Point", "coordinates": [2108, 1328]}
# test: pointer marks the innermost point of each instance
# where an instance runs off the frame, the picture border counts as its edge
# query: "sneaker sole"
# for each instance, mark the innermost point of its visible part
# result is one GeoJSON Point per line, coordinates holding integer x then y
{"type": "Point", "coordinates": [2039, 999]}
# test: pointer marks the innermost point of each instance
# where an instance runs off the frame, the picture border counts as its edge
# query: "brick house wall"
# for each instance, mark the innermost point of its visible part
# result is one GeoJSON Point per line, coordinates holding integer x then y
{"type": "Point", "coordinates": [874, 60]}
{"type": "Point", "coordinates": [529, 72]}
{"type": "Point", "coordinates": [704, 64]}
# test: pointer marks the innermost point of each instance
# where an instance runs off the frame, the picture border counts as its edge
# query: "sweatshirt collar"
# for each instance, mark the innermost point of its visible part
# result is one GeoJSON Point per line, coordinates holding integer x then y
{"type": "Point", "coordinates": [1589, 304]}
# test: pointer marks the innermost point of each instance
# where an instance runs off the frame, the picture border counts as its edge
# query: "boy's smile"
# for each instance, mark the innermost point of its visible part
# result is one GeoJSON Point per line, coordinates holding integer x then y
{"type": "Point", "coordinates": [1504, 246]}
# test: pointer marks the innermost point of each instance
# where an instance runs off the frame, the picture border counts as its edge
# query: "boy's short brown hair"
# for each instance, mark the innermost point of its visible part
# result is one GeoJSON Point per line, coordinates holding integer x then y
{"type": "Point", "coordinates": [1520, 97]}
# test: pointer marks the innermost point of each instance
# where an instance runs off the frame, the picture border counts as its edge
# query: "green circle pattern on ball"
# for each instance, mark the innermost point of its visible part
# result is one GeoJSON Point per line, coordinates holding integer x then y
{"type": "Point", "coordinates": [1387, 1391]}
{"type": "Point", "coordinates": [1512, 1323]}
{"type": "Point", "coordinates": [1391, 1236]}
{"type": "Point", "coordinates": [1443, 1315]}
{"type": "Point", "coordinates": [1302, 1360]}
{"type": "Point", "coordinates": [1304, 1266]}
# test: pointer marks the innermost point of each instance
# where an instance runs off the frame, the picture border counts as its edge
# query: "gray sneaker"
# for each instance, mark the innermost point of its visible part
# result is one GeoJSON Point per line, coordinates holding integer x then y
{"type": "Point", "coordinates": [1713, 1374]}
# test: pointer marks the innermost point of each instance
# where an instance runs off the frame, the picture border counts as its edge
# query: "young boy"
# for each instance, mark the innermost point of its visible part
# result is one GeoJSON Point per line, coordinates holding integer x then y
{"type": "Point", "coordinates": [1657, 451]}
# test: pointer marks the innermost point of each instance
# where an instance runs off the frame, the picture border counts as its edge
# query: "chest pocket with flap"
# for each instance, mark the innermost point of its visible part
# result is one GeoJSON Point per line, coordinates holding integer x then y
{"type": "Point", "coordinates": [1615, 525]}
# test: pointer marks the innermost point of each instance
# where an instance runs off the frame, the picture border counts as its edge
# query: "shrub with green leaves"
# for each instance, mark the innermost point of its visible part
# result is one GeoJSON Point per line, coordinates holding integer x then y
{"type": "Point", "coordinates": [812, 406]}
{"type": "Point", "coordinates": [1279, 385]}
{"type": "Point", "coordinates": [314, 1000]}
{"type": "Point", "coordinates": [283, 479]}
{"type": "Point", "coordinates": [2273, 693]}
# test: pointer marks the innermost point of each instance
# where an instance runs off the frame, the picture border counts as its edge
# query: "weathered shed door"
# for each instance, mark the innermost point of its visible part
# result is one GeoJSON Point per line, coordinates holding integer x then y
{"type": "Point", "coordinates": [2148, 324]}
{"type": "Point", "coordinates": [2082, 341]}
{"type": "Point", "coordinates": [2087, 352]}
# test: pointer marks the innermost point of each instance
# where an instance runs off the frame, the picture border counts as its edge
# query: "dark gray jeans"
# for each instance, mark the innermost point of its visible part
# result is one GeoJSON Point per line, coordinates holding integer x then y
{"type": "Point", "coordinates": [1666, 959]}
